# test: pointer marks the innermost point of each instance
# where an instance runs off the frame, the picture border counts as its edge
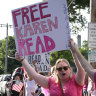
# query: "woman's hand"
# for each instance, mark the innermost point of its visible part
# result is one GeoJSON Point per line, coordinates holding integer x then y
{"type": "Point", "coordinates": [17, 57]}
{"type": "Point", "coordinates": [34, 63]}
{"type": "Point", "coordinates": [32, 92]}
{"type": "Point", "coordinates": [73, 45]}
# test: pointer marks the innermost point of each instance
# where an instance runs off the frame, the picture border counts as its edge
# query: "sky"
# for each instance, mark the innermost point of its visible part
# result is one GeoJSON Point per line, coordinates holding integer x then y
{"type": "Point", "coordinates": [6, 6]}
{"type": "Point", "coordinates": [83, 33]}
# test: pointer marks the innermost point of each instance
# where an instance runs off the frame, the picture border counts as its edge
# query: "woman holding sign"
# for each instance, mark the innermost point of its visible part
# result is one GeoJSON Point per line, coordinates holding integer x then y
{"type": "Point", "coordinates": [64, 82]}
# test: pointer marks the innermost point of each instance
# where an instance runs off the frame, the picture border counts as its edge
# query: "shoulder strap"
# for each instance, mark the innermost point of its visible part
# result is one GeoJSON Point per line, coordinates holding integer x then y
{"type": "Point", "coordinates": [61, 89]}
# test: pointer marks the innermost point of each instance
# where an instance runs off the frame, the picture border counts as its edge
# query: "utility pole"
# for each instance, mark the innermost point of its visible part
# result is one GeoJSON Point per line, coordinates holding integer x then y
{"type": "Point", "coordinates": [93, 11]}
{"type": "Point", "coordinates": [7, 26]}
{"type": "Point", "coordinates": [6, 48]}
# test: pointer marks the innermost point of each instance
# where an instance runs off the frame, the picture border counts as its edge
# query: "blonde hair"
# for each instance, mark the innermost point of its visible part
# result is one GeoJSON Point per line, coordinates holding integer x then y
{"type": "Point", "coordinates": [55, 67]}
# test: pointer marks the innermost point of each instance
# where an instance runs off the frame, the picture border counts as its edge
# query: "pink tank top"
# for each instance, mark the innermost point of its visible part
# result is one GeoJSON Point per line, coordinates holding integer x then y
{"type": "Point", "coordinates": [71, 88]}
{"type": "Point", "coordinates": [95, 79]}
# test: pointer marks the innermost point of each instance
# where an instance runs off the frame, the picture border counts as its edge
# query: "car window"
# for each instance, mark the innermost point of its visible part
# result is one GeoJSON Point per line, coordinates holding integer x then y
{"type": "Point", "coordinates": [6, 77]}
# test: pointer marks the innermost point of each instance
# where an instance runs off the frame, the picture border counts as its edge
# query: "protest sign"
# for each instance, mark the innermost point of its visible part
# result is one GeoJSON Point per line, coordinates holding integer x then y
{"type": "Point", "coordinates": [92, 55]}
{"type": "Point", "coordinates": [41, 27]}
{"type": "Point", "coordinates": [92, 35]}
{"type": "Point", "coordinates": [43, 61]}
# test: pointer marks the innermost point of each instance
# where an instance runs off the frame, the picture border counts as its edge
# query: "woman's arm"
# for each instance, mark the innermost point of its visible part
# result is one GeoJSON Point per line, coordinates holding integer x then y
{"type": "Point", "coordinates": [40, 79]}
{"type": "Point", "coordinates": [80, 75]}
{"type": "Point", "coordinates": [87, 67]}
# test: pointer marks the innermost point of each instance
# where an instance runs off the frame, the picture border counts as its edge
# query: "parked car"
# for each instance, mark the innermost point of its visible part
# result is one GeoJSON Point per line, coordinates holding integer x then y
{"type": "Point", "coordinates": [3, 81]}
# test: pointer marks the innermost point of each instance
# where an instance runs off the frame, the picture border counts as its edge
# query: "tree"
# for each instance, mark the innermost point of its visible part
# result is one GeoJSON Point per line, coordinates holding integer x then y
{"type": "Point", "coordinates": [85, 45]}
{"type": "Point", "coordinates": [62, 54]}
{"type": "Point", "coordinates": [67, 55]}
{"type": "Point", "coordinates": [0, 43]}
{"type": "Point", "coordinates": [12, 63]}
{"type": "Point", "coordinates": [2, 56]}
{"type": "Point", "coordinates": [84, 49]}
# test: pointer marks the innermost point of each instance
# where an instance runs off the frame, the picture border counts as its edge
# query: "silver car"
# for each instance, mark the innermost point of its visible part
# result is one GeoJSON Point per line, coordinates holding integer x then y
{"type": "Point", "coordinates": [3, 81]}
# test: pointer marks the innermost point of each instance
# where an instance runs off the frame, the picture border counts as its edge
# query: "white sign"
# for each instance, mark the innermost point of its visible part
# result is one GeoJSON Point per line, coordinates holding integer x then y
{"type": "Point", "coordinates": [43, 61]}
{"type": "Point", "coordinates": [42, 27]}
{"type": "Point", "coordinates": [92, 55]}
{"type": "Point", "coordinates": [92, 35]}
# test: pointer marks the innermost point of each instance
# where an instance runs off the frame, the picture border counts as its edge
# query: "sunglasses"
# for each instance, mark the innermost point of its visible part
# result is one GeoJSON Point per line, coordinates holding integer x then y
{"type": "Point", "coordinates": [64, 68]}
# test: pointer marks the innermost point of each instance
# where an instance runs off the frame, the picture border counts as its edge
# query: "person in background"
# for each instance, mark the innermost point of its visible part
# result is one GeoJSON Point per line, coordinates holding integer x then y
{"type": "Point", "coordinates": [18, 70]}
{"type": "Point", "coordinates": [64, 83]}
{"type": "Point", "coordinates": [44, 91]}
{"type": "Point", "coordinates": [91, 88]}
{"type": "Point", "coordinates": [17, 85]}
{"type": "Point", "coordinates": [30, 85]}
{"type": "Point", "coordinates": [85, 92]}
{"type": "Point", "coordinates": [51, 72]}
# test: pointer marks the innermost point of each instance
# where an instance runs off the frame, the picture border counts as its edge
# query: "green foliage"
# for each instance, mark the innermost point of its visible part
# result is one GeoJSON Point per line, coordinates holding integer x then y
{"type": "Point", "coordinates": [12, 63]}
{"type": "Point", "coordinates": [82, 3]}
{"type": "Point", "coordinates": [0, 43]}
{"type": "Point", "coordinates": [85, 44]}
{"type": "Point", "coordinates": [75, 15]}
{"type": "Point", "coordinates": [2, 56]}
{"type": "Point", "coordinates": [84, 49]}
{"type": "Point", "coordinates": [62, 54]}
{"type": "Point", "coordinates": [67, 55]}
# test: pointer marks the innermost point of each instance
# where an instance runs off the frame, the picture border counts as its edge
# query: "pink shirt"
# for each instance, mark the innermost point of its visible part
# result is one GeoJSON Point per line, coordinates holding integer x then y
{"type": "Point", "coordinates": [85, 85]}
{"type": "Point", "coordinates": [95, 80]}
{"type": "Point", "coordinates": [70, 89]}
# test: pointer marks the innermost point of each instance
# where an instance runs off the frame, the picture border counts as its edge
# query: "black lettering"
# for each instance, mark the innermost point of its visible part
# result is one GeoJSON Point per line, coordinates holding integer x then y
{"type": "Point", "coordinates": [40, 68]}
{"type": "Point", "coordinates": [44, 68]}
{"type": "Point", "coordinates": [29, 59]}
